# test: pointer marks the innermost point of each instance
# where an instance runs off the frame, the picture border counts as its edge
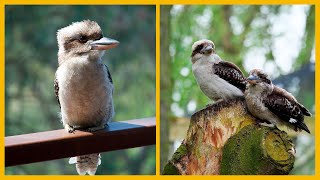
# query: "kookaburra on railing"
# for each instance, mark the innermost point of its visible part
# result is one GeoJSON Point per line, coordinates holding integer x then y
{"type": "Point", "coordinates": [217, 79]}
{"type": "Point", "coordinates": [83, 84]}
{"type": "Point", "coordinates": [273, 104]}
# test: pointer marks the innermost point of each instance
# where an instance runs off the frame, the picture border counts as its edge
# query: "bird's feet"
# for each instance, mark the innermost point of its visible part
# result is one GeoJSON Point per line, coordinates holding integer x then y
{"type": "Point", "coordinates": [92, 129]}
{"type": "Point", "coordinates": [215, 102]}
{"type": "Point", "coordinates": [292, 151]}
{"type": "Point", "coordinates": [69, 128]}
{"type": "Point", "coordinates": [208, 105]}
{"type": "Point", "coordinates": [270, 125]}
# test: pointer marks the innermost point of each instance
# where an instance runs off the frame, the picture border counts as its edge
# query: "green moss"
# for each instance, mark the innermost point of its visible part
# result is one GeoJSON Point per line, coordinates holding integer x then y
{"type": "Point", "coordinates": [180, 152]}
{"type": "Point", "coordinates": [257, 150]}
{"type": "Point", "coordinates": [170, 169]}
{"type": "Point", "coordinates": [238, 154]}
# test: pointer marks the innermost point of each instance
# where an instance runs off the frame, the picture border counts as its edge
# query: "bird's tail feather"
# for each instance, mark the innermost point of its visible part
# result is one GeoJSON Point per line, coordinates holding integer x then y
{"type": "Point", "coordinates": [86, 163]}
{"type": "Point", "coordinates": [303, 126]}
{"type": "Point", "coordinates": [304, 110]}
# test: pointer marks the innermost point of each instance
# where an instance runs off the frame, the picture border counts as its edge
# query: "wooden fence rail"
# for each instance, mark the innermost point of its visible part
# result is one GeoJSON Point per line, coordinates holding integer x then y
{"type": "Point", "coordinates": [49, 145]}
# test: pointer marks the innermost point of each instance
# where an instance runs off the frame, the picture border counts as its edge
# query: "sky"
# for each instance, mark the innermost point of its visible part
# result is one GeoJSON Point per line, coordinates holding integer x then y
{"type": "Point", "coordinates": [290, 26]}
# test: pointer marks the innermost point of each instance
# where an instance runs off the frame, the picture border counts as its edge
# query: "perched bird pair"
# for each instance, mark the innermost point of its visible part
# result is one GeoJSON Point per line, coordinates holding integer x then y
{"type": "Point", "coordinates": [222, 80]}
{"type": "Point", "coordinates": [83, 84]}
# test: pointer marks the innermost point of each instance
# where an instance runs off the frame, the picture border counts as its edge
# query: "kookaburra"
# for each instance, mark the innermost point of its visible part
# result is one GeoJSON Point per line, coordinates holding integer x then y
{"type": "Point", "coordinates": [273, 104]}
{"type": "Point", "coordinates": [83, 84]}
{"type": "Point", "coordinates": [217, 79]}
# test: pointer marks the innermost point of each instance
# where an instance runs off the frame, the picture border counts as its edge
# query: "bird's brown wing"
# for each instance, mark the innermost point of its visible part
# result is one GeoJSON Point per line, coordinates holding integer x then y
{"type": "Point", "coordinates": [289, 96]}
{"type": "Point", "coordinates": [230, 73]}
{"type": "Point", "coordinates": [109, 75]}
{"type": "Point", "coordinates": [284, 105]}
{"type": "Point", "coordinates": [56, 91]}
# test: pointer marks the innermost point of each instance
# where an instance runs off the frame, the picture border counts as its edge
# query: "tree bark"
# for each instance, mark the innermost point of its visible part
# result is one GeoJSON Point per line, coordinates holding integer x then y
{"type": "Point", "coordinates": [225, 139]}
{"type": "Point", "coordinates": [166, 82]}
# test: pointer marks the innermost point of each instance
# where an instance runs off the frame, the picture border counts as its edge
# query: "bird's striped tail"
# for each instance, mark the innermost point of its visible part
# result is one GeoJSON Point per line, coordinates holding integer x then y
{"type": "Point", "coordinates": [86, 163]}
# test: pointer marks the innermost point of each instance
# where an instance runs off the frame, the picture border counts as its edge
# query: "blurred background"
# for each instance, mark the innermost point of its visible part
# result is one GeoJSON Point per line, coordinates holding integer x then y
{"type": "Point", "coordinates": [278, 39]}
{"type": "Point", "coordinates": [31, 61]}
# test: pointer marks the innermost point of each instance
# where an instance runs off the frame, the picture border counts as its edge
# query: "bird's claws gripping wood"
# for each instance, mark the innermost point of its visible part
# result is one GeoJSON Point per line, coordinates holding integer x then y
{"type": "Point", "coordinates": [292, 151]}
{"type": "Point", "coordinates": [208, 105]}
{"type": "Point", "coordinates": [92, 129]}
{"type": "Point", "coordinates": [267, 124]}
{"type": "Point", "coordinates": [69, 128]}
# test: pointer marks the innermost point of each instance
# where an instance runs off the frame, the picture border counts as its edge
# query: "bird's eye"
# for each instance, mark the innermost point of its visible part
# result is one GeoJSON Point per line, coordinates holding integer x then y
{"type": "Point", "coordinates": [83, 39]}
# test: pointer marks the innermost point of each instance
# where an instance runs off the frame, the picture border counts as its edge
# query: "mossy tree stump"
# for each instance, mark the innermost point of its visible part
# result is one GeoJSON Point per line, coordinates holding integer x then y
{"type": "Point", "coordinates": [225, 139]}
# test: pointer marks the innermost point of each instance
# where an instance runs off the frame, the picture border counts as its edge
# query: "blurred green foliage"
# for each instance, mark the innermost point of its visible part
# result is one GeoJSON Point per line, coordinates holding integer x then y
{"type": "Point", "coordinates": [31, 61]}
{"type": "Point", "coordinates": [236, 31]}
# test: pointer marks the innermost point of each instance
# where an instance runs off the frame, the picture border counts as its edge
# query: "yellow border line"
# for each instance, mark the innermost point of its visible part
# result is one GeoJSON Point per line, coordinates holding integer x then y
{"type": "Point", "coordinates": [224, 2]}
{"type": "Point", "coordinates": [81, 2]}
{"type": "Point", "coordinates": [158, 88]}
{"type": "Point", "coordinates": [158, 3]}
{"type": "Point", "coordinates": [317, 80]}
{"type": "Point", "coordinates": [2, 79]}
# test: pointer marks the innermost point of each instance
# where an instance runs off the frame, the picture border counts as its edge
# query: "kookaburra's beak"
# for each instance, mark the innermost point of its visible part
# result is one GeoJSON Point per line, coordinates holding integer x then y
{"type": "Point", "coordinates": [207, 49]}
{"type": "Point", "coordinates": [253, 78]}
{"type": "Point", "coordinates": [104, 44]}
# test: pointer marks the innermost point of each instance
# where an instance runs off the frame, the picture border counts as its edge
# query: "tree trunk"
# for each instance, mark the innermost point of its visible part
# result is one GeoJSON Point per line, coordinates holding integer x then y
{"type": "Point", "coordinates": [166, 82]}
{"type": "Point", "coordinates": [225, 139]}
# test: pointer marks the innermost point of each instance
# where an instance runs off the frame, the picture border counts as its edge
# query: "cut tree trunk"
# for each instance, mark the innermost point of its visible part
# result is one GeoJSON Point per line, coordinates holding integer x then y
{"type": "Point", "coordinates": [225, 139]}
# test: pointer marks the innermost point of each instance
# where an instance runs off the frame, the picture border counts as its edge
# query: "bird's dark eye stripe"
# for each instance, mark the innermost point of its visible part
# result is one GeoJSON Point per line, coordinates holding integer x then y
{"type": "Point", "coordinates": [199, 47]}
{"type": "Point", "coordinates": [197, 50]}
{"type": "Point", "coordinates": [96, 37]}
{"type": "Point", "coordinates": [265, 79]}
{"type": "Point", "coordinates": [83, 38]}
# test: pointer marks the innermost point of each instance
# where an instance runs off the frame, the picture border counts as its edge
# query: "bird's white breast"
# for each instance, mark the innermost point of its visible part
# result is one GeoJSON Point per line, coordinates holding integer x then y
{"type": "Point", "coordinates": [212, 85]}
{"type": "Point", "coordinates": [85, 93]}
